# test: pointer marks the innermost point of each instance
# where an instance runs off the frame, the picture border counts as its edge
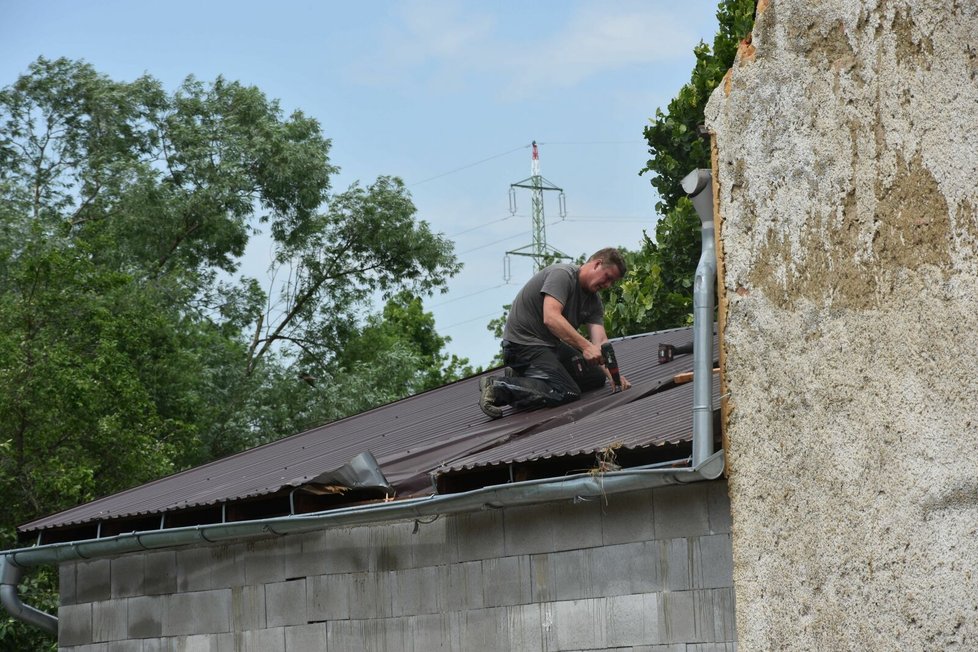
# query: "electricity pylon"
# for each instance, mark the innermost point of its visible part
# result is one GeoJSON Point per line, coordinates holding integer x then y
{"type": "Point", "coordinates": [541, 253]}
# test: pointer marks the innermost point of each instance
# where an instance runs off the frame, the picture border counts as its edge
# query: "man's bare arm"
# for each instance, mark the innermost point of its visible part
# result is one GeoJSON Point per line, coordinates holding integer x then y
{"type": "Point", "coordinates": [557, 324]}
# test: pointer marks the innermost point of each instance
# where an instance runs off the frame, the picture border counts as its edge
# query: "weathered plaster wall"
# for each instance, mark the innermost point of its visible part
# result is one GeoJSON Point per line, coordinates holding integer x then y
{"type": "Point", "coordinates": [847, 164]}
{"type": "Point", "coordinates": [648, 570]}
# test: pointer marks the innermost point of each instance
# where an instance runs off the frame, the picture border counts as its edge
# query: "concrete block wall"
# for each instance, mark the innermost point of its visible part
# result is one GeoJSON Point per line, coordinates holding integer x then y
{"type": "Point", "coordinates": [649, 571]}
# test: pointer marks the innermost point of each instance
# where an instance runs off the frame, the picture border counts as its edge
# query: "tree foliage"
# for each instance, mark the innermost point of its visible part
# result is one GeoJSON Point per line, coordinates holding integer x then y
{"type": "Point", "coordinates": [657, 293]}
{"type": "Point", "coordinates": [128, 348]}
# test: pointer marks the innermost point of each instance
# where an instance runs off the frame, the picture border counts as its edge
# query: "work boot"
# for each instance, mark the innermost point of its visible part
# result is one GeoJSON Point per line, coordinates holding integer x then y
{"type": "Point", "coordinates": [487, 398]}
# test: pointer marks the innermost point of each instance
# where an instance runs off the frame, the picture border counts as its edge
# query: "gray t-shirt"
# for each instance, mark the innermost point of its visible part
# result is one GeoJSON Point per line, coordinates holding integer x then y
{"type": "Point", "coordinates": [525, 322]}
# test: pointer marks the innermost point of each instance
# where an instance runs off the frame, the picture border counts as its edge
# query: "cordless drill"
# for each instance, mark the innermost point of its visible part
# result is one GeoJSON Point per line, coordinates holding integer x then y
{"type": "Point", "coordinates": [611, 364]}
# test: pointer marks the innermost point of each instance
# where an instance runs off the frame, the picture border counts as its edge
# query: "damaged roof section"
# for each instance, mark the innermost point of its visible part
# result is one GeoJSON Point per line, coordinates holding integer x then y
{"type": "Point", "coordinates": [435, 441]}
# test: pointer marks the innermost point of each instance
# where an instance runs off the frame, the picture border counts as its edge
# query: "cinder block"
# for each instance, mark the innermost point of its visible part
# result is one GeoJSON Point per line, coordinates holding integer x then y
{"type": "Point", "coordinates": [395, 634]}
{"type": "Point", "coordinates": [677, 616]}
{"type": "Point", "coordinates": [309, 560]}
{"type": "Point", "coordinates": [160, 573]}
{"type": "Point", "coordinates": [434, 543]}
{"type": "Point", "coordinates": [632, 620]}
{"type": "Point", "coordinates": [145, 616]}
{"type": "Point", "coordinates": [248, 608]}
{"type": "Point", "coordinates": [93, 581]}
{"type": "Point", "coordinates": [719, 506]}
{"type": "Point", "coordinates": [328, 597]}
{"type": "Point", "coordinates": [306, 638]}
{"type": "Point", "coordinates": [127, 575]}
{"type": "Point", "coordinates": [622, 570]}
{"type": "Point", "coordinates": [200, 612]}
{"type": "Point", "coordinates": [507, 581]}
{"type": "Point", "coordinates": [415, 590]}
{"type": "Point", "coordinates": [580, 624]}
{"type": "Point", "coordinates": [346, 550]}
{"type": "Point", "coordinates": [386, 548]}
{"type": "Point", "coordinates": [370, 595]}
{"type": "Point", "coordinates": [431, 632]}
{"type": "Point", "coordinates": [260, 640]}
{"type": "Point", "coordinates": [525, 628]}
{"type": "Point", "coordinates": [705, 614]}
{"type": "Point", "coordinates": [681, 511]}
{"type": "Point", "coordinates": [264, 562]}
{"type": "Point", "coordinates": [528, 530]}
{"type": "Point", "coordinates": [346, 635]}
{"type": "Point", "coordinates": [672, 564]}
{"type": "Point", "coordinates": [543, 582]}
{"type": "Point", "coordinates": [285, 603]}
{"type": "Point", "coordinates": [486, 630]}
{"type": "Point", "coordinates": [74, 624]}
{"type": "Point", "coordinates": [627, 517]}
{"type": "Point", "coordinates": [194, 569]}
{"type": "Point", "coordinates": [224, 643]}
{"type": "Point", "coordinates": [576, 524]}
{"type": "Point", "coordinates": [157, 645]}
{"type": "Point", "coordinates": [724, 615]}
{"type": "Point", "coordinates": [479, 535]}
{"type": "Point", "coordinates": [461, 587]}
{"type": "Point", "coordinates": [712, 562]}
{"type": "Point", "coordinates": [711, 647]}
{"type": "Point", "coordinates": [194, 643]}
{"type": "Point", "coordinates": [226, 569]}
{"type": "Point", "coordinates": [124, 646]}
{"type": "Point", "coordinates": [66, 583]}
{"type": "Point", "coordinates": [572, 575]}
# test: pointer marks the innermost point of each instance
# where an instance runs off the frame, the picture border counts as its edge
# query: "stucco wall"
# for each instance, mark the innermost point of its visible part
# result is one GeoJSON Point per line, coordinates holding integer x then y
{"type": "Point", "coordinates": [846, 143]}
{"type": "Point", "coordinates": [647, 571]}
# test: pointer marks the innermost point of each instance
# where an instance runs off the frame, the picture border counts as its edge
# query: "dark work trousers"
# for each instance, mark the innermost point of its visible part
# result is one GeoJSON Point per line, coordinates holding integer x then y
{"type": "Point", "coordinates": [544, 376]}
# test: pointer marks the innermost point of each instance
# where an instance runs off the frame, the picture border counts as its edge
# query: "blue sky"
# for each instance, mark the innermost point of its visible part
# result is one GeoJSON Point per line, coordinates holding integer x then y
{"type": "Point", "coordinates": [447, 95]}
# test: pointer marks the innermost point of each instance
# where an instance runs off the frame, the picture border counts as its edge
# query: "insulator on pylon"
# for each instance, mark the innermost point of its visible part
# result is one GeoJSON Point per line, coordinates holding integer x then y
{"type": "Point", "coordinates": [512, 200]}
{"type": "Point", "coordinates": [562, 204]}
{"type": "Point", "coordinates": [507, 271]}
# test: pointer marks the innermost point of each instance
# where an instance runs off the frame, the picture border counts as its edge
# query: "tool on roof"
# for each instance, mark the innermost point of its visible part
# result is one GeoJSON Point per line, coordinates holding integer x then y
{"type": "Point", "coordinates": [668, 351]}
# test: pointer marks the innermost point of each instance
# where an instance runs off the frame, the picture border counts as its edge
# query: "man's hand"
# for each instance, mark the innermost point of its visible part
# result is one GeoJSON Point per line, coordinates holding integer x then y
{"type": "Point", "coordinates": [592, 354]}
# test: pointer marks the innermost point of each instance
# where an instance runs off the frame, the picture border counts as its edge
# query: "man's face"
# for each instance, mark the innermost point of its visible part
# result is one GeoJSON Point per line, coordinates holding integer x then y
{"type": "Point", "coordinates": [598, 276]}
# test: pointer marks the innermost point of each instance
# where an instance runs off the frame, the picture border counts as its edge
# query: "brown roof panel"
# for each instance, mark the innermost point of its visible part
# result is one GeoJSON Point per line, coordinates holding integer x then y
{"type": "Point", "coordinates": [657, 419]}
{"type": "Point", "coordinates": [411, 438]}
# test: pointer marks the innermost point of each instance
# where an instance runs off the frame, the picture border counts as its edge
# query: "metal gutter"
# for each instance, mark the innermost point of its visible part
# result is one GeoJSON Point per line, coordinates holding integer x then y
{"type": "Point", "coordinates": [495, 497]}
{"type": "Point", "coordinates": [697, 185]}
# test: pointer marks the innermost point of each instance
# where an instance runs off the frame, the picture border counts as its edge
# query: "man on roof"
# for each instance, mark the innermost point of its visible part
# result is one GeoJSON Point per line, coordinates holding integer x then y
{"type": "Point", "coordinates": [549, 362]}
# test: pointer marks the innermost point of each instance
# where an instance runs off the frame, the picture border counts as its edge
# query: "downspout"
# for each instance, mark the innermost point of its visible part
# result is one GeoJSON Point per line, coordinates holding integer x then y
{"type": "Point", "coordinates": [698, 185]}
{"type": "Point", "coordinates": [10, 576]}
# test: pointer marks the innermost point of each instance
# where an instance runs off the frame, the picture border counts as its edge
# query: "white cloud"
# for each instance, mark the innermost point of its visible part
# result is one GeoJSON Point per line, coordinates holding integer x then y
{"type": "Point", "coordinates": [441, 44]}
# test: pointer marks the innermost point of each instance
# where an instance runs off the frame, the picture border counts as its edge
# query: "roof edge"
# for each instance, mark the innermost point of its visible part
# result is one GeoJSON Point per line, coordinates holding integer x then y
{"type": "Point", "coordinates": [509, 495]}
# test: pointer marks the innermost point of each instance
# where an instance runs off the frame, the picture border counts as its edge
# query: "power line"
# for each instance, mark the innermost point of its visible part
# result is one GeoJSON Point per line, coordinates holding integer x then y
{"type": "Point", "coordinates": [481, 226]}
{"type": "Point", "coordinates": [469, 321]}
{"type": "Point", "coordinates": [470, 165]}
{"type": "Point", "coordinates": [518, 235]}
{"type": "Point", "coordinates": [472, 294]}
{"type": "Point", "coordinates": [595, 142]}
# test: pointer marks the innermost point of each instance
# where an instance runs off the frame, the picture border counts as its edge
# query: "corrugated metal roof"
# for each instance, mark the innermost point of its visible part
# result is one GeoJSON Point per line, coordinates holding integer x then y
{"type": "Point", "coordinates": [441, 430]}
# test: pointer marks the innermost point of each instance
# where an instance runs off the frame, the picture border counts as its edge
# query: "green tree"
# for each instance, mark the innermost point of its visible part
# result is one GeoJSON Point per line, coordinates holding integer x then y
{"type": "Point", "coordinates": [657, 294]}
{"type": "Point", "coordinates": [128, 349]}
